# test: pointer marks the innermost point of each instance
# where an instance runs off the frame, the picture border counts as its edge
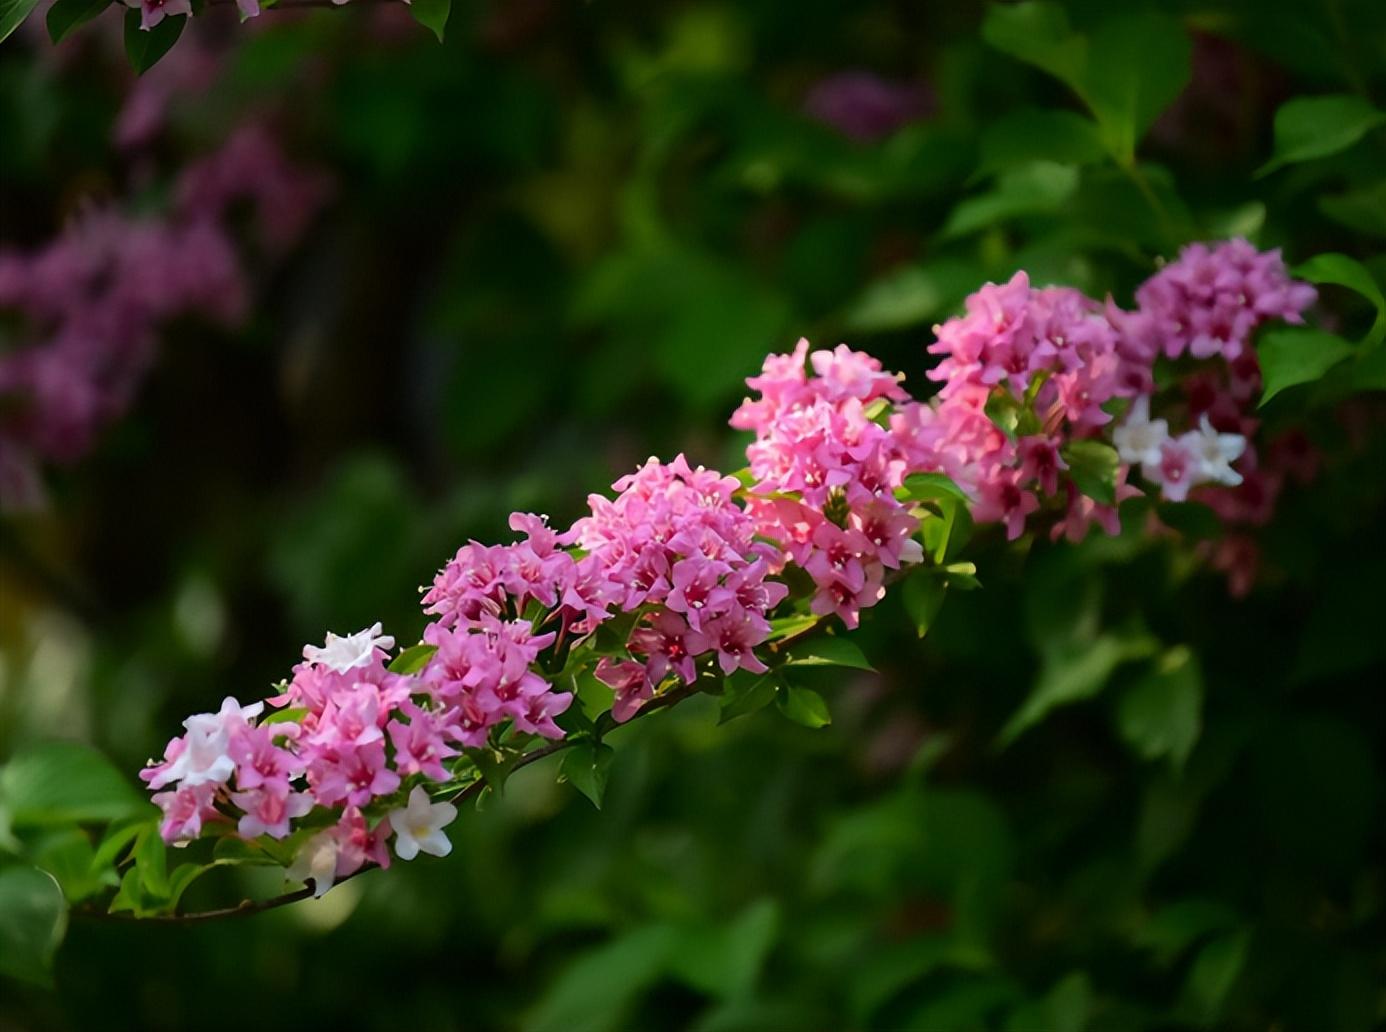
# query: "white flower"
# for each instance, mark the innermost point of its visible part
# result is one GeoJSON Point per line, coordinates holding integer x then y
{"type": "Point", "coordinates": [1139, 437]}
{"type": "Point", "coordinates": [205, 757]}
{"type": "Point", "coordinates": [317, 860]}
{"type": "Point", "coordinates": [419, 826]}
{"type": "Point", "coordinates": [1215, 453]}
{"type": "Point", "coordinates": [348, 653]}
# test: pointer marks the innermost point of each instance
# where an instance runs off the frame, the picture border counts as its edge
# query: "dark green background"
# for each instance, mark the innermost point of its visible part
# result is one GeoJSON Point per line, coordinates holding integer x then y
{"type": "Point", "coordinates": [558, 243]}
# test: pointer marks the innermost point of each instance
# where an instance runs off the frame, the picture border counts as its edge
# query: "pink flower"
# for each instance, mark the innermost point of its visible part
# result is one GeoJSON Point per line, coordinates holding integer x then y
{"type": "Point", "coordinates": [1176, 472]}
{"type": "Point", "coordinates": [185, 811]}
{"type": "Point", "coordinates": [630, 682]}
{"type": "Point", "coordinates": [152, 12]}
{"type": "Point", "coordinates": [1003, 500]}
{"type": "Point", "coordinates": [269, 812]}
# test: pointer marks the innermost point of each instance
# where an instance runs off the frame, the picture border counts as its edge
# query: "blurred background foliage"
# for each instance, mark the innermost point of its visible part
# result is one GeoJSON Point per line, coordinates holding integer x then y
{"type": "Point", "coordinates": [1100, 794]}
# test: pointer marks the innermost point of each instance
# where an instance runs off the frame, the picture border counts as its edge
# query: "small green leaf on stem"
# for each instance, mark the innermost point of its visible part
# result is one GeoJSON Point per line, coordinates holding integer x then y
{"type": "Point", "coordinates": [412, 659]}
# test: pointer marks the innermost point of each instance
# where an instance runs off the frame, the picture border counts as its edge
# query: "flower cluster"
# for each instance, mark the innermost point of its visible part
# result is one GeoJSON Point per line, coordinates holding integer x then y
{"type": "Point", "coordinates": [680, 573]}
{"type": "Point", "coordinates": [1046, 361]}
{"type": "Point", "coordinates": [826, 473]}
{"type": "Point", "coordinates": [675, 546]}
{"type": "Point", "coordinates": [92, 300]}
{"type": "Point", "coordinates": [1202, 310]}
{"type": "Point", "coordinates": [351, 732]}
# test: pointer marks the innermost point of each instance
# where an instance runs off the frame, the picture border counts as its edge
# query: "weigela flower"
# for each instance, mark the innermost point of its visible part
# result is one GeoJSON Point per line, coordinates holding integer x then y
{"type": "Point", "coordinates": [418, 826]}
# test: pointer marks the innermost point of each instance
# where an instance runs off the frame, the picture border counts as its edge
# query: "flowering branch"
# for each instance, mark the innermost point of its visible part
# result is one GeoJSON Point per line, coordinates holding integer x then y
{"type": "Point", "coordinates": [688, 580]}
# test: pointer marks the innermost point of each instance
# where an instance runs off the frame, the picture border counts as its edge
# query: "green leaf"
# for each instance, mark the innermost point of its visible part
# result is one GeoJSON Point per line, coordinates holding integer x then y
{"type": "Point", "coordinates": [741, 698]}
{"type": "Point", "coordinates": [1039, 188]}
{"type": "Point", "coordinates": [926, 487]}
{"type": "Point", "coordinates": [945, 534]}
{"type": "Point", "coordinates": [66, 15]}
{"type": "Point", "coordinates": [912, 295]}
{"type": "Point", "coordinates": [1093, 466]}
{"type": "Point", "coordinates": [1176, 927]}
{"type": "Point", "coordinates": [432, 15]}
{"type": "Point", "coordinates": [33, 920]}
{"type": "Point", "coordinates": [412, 659]}
{"type": "Point", "coordinates": [1137, 65]}
{"type": "Point", "coordinates": [1071, 672]}
{"type": "Point", "coordinates": [144, 49]}
{"type": "Point", "coordinates": [1065, 1008]}
{"type": "Point", "coordinates": [825, 651]}
{"type": "Point", "coordinates": [922, 594]}
{"type": "Point", "coordinates": [151, 861]}
{"type": "Point", "coordinates": [1362, 211]}
{"type": "Point", "coordinates": [65, 783]}
{"type": "Point", "coordinates": [1294, 355]}
{"type": "Point", "coordinates": [1315, 127]}
{"type": "Point", "coordinates": [586, 766]}
{"type": "Point", "coordinates": [289, 715]}
{"type": "Point", "coordinates": [12, 15]}
{"type": "Point", "coordinates": [1342, 271]}
{"type": "Point", "coordinates": [1037, 134]}
{"type": "Point", "coordinates": [1161, 714]}
{"type": "Point", "coordinates": [118, 837]}
{"type": "Point", "coordinates": [1192, 519]}
{"type": "Point", "coordinates": [595, 991]}
{"type": "Point", "coordinates": [183, 876]}
{"type": "Point", "coordinates": [67, 855]}
{"type": "Point", "coordinates": [495, 768]}
{"type": "Point", "coordinates": [1132, 68]}
{"type": "Point", "coordinates": [1037, 33]}
{"type": "Point", "coordinates": [788, 626]}
{"type": "Point", "coordinates": [1214, 973]}
{"type": "Point", "coordinates": [725, 960]}
{"type": "Point", "coordinates": [804, 706]}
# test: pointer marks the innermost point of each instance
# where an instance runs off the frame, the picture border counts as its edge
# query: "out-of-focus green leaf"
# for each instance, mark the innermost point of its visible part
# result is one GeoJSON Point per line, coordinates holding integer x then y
{"type": "Point", "coordinates": [586, 766]}
{"type": "Point", "coordinates": [1161, 714]}
{"type": "Point", "coordinates": [1038, 33]}
{"type": "Point", "coordinates": [592, 995]}
{"type": "Point", "coordinates": [1343, 271]}
{"type": "Point", "coordinates": [1093, 466]}
{"type": "Point", "coordinates": [1129, 70]}
{"type": "Point", "coordinates": [1065, 1008]}
{"type": "Point", "coordinates": [725, 961]}
{"type": "Point", "coordinates": [67, 854]}
{"type": "Point", "coordinates": [432, 15]}
{"type": "Point", "coordinates": [33, 920]}
{"type": "Point", "coordinates": [922, 594]}
{"type": "Point", "coordinates": [1074, 671]}
{"type": "Point", "coordinates": [143, 47]}
{"type": "Point", "coordinates": [1039, 188]}
{"type": "Point", "coordinates": [1296, 355]}
{"type": "Point", "coordinates": [1362, 210]}
{"type": "Point", "coordinates": [1174, 928]}
{"type": "Point", "coordinates": [1214, 973]}
{"type": "Point", "coordinates": [1315, 127]}
{"type": "Point", "coordinates": [804, 706]}
{"type": "Point", "coordinates": [1028, 135]}
{"type": "Point", "coordinates": [1192, 519]}
{"type": "Point", "coordinates": [66, 15]}
{"type": "Point", "coordinates": [64, 783]}
{"type": "Point", "coordinates": [12, 15]}
{"type": "Point", "coordinates": [912, 295]}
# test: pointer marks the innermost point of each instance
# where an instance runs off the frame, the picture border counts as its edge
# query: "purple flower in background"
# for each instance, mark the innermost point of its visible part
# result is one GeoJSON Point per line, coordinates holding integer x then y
{"type": "Point", "coordinates": [865, 107]}
{"type": "Point", "coordinates": [90, 303]}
